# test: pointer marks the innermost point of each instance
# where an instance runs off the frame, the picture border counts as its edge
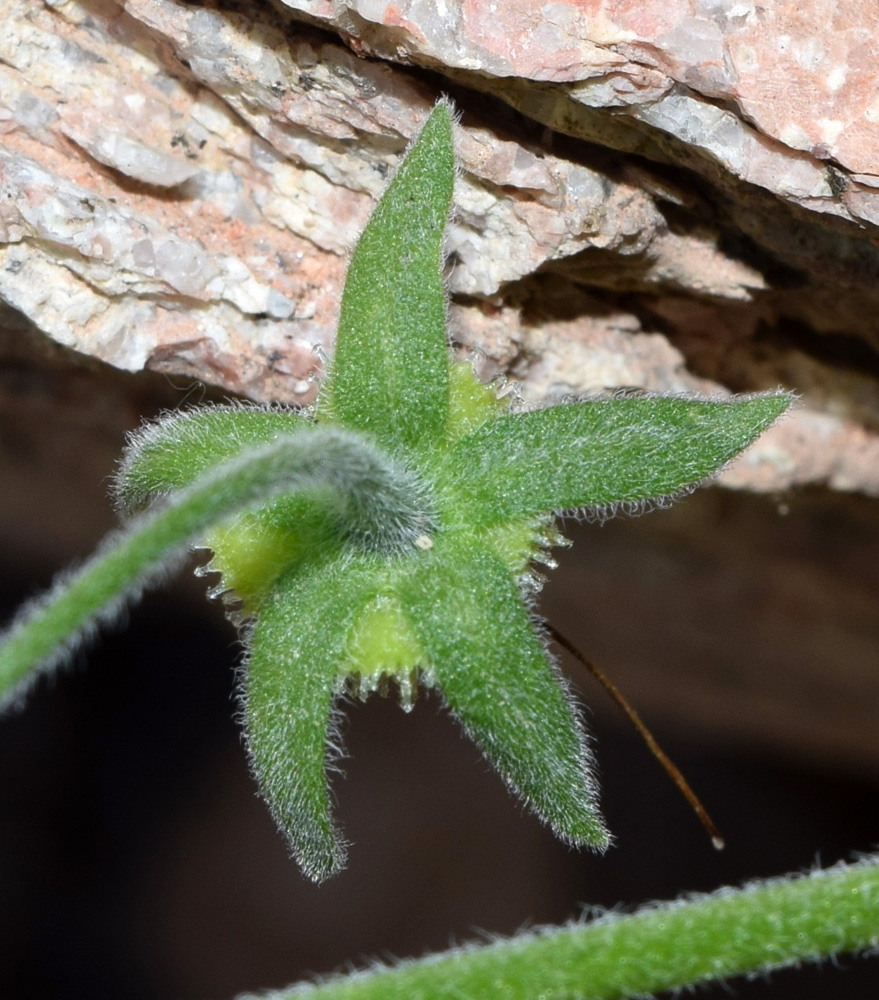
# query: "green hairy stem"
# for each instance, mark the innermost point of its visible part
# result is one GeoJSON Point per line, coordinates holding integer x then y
{"type": "Point", "coordinates": [378, 505]}
{"type": "Point", "coordinates": [670, 946]}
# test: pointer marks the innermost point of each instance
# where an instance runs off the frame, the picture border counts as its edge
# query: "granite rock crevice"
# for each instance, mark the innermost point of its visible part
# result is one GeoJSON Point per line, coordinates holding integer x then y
{"type": "Point", "coordinates": [674, 197]}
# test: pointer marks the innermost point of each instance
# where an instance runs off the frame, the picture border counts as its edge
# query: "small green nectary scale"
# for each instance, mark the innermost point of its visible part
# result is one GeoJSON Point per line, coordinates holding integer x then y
{"type": "Point", "coordinates": [388, 534]}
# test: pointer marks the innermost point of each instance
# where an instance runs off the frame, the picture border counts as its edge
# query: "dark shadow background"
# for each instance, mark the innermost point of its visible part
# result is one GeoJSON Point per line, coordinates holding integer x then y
{"type": "Point", "coordinates": [136, 860]}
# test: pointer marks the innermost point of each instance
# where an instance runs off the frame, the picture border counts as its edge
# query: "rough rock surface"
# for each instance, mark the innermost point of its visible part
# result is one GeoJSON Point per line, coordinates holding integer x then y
{"type": "Point", "coordinates": [673, 196]}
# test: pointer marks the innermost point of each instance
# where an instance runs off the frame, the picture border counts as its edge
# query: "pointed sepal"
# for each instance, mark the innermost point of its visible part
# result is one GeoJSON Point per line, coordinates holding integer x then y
{"type": "Point", "coordinates": [172, 452]}
{"type": "Point", "coordinates": [601, 453]}
{"type": "Point", "coordinates": [390, 369]}
{"type": "Point", "coordinates": [496, 676]}
{"type": "Point", "coordinates": [297, 646]}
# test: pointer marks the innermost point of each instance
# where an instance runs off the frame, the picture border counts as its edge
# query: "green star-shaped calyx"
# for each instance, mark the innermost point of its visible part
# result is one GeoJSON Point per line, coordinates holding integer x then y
{"type": "Point", "coordinates": [387, 535]}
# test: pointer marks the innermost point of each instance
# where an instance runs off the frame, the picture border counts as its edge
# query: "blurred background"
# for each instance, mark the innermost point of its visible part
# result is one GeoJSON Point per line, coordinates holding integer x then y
{"type": "Point", "coordinates": [136, 860]}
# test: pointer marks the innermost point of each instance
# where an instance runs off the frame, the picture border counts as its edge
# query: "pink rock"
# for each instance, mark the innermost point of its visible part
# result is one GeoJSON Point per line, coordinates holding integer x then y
{"type": "Point", "coordinates": [183, 184]}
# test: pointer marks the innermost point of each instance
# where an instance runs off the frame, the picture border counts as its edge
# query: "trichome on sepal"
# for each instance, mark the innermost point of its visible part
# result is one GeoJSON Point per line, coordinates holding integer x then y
{"type": "Point", "coordinates": [398, 545]}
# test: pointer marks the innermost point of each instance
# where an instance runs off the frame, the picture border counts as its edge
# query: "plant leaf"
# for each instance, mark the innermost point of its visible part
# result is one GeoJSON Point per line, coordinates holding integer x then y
{"type": "Point", "coordinates": [390, 370]}
{"type": "Point", "coordinates": [601, 452]}
{"type": "Point", "coordinates": [296, 648]}
{"type": "Point", "coordinates": [466, 611]}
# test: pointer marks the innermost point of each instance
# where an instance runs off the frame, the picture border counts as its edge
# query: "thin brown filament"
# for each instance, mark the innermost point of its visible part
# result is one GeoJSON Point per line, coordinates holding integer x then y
{"type": "Point", "coordinates": [668, 765]}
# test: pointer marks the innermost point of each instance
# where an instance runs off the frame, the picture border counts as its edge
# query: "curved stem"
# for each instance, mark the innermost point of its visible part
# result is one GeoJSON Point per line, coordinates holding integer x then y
{"type": "Point", "coordinates": [380, 505]}
{"type": "Point", "coordinates": [671, 946]}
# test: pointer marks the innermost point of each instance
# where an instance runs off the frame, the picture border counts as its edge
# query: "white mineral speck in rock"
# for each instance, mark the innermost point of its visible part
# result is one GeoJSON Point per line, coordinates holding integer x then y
{"type": "Point", "coordinates": [183, 266]}
{"type": "Point", "coordinates": [372, 10]}
{"type": "Point", "coordinates": [278, 305]}
{"type": "Point", "coordinates": [144, 256]}
{"type": "Point", "coordinates": [696, 38]}
{"type": "Point", "coordinates": [745, 59]}
{"type": "Point", "coordinates": [737, 10]}
{"type": "Point", "coordinates": [809, 53]}
{"type": "Point", "coordinates": [830, 129]}
{"type": "Point", "coordinates": [795, 136]}
{"type": "Point", "coordinates": [836, 78]}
